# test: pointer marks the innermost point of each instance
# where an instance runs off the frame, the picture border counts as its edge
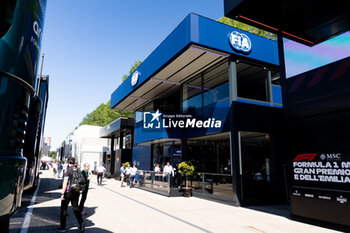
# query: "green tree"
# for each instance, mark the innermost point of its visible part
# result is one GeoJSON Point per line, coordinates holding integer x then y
{"type": "Point", "coordinates": [132, 69]}
{"type": "Point", "coordinates": [53, 154]}
{"type": "Point", "coordinates": [103, 115]}
{"type": "Point", "coordinates": [247, 28]}
{"type": "Point", "coordinates": [186, 169]}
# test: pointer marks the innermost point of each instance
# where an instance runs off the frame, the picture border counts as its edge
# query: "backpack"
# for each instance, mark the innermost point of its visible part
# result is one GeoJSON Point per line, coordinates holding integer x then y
{"type": "Point", "coordinates": [78, 181]}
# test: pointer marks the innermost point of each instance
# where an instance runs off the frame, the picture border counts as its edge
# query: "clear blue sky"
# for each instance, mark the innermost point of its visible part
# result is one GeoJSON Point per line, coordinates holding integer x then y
{"type": "Point", "coordinates": [89, 45]}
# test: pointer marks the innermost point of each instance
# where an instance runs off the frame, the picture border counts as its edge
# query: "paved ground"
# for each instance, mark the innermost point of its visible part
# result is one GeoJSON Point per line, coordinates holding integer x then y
{"type": "Point", "coordinates": [111, 208]}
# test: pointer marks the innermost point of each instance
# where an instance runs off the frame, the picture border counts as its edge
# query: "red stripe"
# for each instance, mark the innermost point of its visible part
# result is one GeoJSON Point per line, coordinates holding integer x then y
{"type": "Point", "coordinates": [297, 83]}
{"type": "Point", "coordinates": [258, 23]}
{"type": "Point", "coordinates": [297, 37]}
{"type": "Point", "coordinates": [342, 68]}
{"type": "Point", "coordinates": [317, 77]}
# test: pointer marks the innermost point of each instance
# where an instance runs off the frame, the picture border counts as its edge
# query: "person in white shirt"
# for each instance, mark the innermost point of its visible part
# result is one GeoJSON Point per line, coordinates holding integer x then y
{"type": "Point", "coordinates": [157, 172]}
{"type": "Point", "coordinates": [100, 173]}
{"type": "Point", "coordinates": [133, 172]}
{"type": "Point", "coordinates": [65, 165]}
{"type": "Point", "coordinates": [157, 168]}
{"type": "Point", "coordinates": [127, 174]}
{"type": "Point", "coordinates": [168, 169]}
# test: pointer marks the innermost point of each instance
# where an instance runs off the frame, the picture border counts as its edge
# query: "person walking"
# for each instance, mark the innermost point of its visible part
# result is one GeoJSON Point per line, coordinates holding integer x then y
{"type": "Point", "coordinates": [122, 175]}
{"type": "Point", "coordinates": [133, 172]}
{"type": "Point", "coordinates": [54, 169]}
{"type": "Point", "coordinates": [65, 166]}
{"type": "Point", "coordinates": [70, 196]}
{"type": "Point", "coordinates": [87, 175]}
{"type": "Point", "coordinates": [59, 169]}
{"type": "Point", "coordinates": [100, 174]}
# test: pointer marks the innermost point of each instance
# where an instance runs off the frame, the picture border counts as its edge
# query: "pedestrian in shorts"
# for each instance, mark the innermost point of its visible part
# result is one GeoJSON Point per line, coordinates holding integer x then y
{"type": "Point", "coordinates": [122, 175]}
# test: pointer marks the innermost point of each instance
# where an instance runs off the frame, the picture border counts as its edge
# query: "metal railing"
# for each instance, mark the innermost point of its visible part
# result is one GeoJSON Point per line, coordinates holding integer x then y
{"type": "Point", "coordinates": [215, 185]}
{"type": "Point", "coordinates": [154, 181]}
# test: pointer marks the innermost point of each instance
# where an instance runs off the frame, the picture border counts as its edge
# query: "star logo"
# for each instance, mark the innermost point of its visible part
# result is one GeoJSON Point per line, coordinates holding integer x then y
{"type": "Point", "coordinates": [152, 120]}
{"type": "Point", "coordinates": [156, 115]}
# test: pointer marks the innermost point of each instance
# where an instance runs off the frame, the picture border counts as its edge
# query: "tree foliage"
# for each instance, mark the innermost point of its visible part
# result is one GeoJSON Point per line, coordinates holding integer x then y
{"type": "Point", "coordinates": [247, 28]}
{"type": "Point", "coordinates": [132, 69]}
{"type": "Point", "coordinates": [186, 169]}
{"type": "Point", "coordinates": [103, 115]}
{"type": "Point", "coordinates": [53, 154]}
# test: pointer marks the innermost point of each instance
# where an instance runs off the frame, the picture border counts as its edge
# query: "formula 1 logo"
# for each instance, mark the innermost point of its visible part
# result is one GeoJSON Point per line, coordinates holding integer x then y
{"type": "Point", "coordinates": [308, 157]}
{"type": "Point", "coordinates": [240, 42]}
{"type": "Point", "coordinates": [152, 120]}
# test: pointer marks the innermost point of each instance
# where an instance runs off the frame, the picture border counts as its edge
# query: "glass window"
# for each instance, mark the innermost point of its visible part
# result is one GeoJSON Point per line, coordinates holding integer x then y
{"type": "Point", "coordinates": [116, 143]}
{"type": "Point", "coordinates": [192, 94]}
{"type": "Point", "coordinates": [252, 82]}
{"type": "Point", "coordinates": [127, 141]}
{"type": "Point", "coordinates": [215, 84]}
{"type": "Point", "coordinates": [275, 77]}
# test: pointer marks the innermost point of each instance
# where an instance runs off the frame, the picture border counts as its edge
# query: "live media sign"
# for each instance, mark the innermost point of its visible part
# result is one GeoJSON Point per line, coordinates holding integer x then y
{"type": "Point", "coordinates": [321, 187]}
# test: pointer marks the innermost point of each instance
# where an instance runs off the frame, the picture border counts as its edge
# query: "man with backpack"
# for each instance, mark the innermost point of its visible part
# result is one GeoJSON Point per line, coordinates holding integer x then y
{"type": "Point", "coordinates": [73, 184]}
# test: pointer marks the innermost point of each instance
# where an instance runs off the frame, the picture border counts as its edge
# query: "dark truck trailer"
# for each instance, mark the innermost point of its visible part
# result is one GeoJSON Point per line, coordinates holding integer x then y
{"type": "Point", "coordinates": [21, 24]}
{"type": "Point", "coordinates": [318, 116]}
{"type": "Point", "coordinates": [29, 149]}
{"type": "Point", "coordinates": [34, 135]}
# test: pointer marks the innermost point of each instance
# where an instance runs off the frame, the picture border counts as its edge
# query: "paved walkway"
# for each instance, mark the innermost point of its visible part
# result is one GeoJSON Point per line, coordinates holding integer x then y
{"type": "Point", "coordinates": [111, 208]}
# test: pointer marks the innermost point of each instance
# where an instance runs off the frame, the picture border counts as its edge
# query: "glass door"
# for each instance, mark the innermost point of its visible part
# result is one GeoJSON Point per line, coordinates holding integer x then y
{"type": "Point", "coordinates": [255, 157]}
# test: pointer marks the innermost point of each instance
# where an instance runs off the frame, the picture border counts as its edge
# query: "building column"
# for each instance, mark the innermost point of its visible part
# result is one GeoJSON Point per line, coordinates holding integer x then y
{"type": "Point", "coordinates": [232, 81]}
{"type": "Point", "coordinates": [236, 180]}
{"type": "Point", "coordinates": [269, 87]}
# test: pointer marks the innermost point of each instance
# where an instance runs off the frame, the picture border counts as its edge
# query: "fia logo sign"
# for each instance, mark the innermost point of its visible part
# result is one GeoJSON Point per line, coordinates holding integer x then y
{"type": "Point", "coordinates": [135, 78]}
{"type": "Point", "coordinates": [240, 42]}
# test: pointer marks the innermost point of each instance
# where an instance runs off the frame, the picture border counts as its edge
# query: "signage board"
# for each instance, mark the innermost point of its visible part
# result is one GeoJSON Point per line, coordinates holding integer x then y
{"type": "Point", "coordinates": [321, 186]}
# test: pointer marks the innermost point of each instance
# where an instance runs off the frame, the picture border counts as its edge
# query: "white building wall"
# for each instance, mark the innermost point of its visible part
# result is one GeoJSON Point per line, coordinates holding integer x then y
{"type": "Point", "coordinates": [87, 146]}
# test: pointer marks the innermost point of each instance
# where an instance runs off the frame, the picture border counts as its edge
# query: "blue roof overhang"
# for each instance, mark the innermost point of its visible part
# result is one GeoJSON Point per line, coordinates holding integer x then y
{"type": "Point", "coordinates": [195, 44]}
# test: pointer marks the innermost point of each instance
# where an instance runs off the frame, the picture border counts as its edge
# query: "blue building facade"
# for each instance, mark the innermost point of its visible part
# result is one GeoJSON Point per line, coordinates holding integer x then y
{"type": "Point", "coordinates": [210, 94]}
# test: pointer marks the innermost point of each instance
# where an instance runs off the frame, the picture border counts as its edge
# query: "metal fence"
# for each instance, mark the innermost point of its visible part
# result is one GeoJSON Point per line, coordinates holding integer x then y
{"type": "Point", "coordinates": [213, 185]}
{"type": "Point", "coordinates": [158, 182]}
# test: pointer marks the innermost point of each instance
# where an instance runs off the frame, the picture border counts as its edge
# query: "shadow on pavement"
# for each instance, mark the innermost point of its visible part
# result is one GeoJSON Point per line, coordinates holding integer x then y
{"type": "Point", "coordinates": [75, 229]}
{"type": "Point", "coordinates": [280, 210]}
{"type": "Point", "coordinates": [46, 216]}
{"type": "Point", "coordinates": [284, 211]}
{"type": "Point", "coordinates": [319, 223]}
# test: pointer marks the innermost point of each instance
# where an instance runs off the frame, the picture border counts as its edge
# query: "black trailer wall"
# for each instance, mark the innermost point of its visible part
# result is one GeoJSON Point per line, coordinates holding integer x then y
{"type": "Point", "coordinates": [318, 135]}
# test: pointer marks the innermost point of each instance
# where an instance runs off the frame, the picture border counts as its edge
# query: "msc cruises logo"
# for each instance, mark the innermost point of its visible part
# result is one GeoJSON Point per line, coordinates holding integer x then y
{"type": "Point", "coordinates": [240, 42]}
{"type": "Point", "coordinates": [159, 120]}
